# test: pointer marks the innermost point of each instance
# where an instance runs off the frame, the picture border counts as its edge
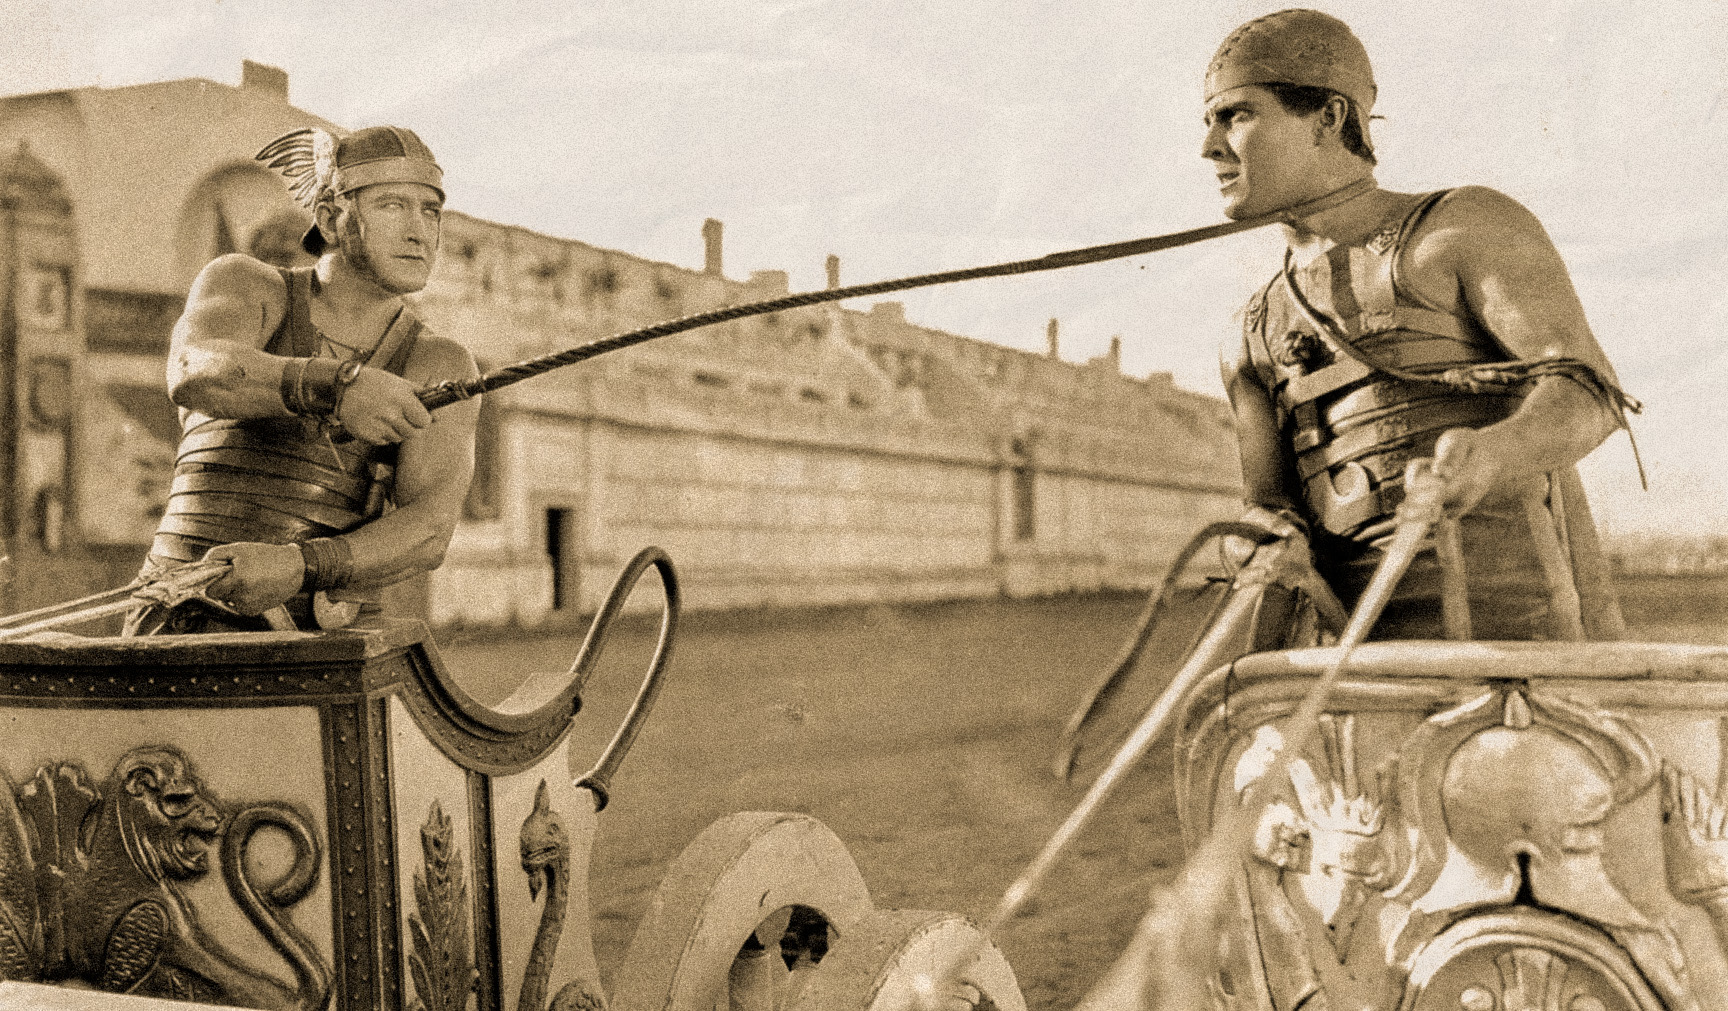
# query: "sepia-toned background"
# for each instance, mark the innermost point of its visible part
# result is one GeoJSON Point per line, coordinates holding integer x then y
{"type": "Point", "coordinates": [910, 137]}
{"type": "Point", "coordinates": [1058, 434]}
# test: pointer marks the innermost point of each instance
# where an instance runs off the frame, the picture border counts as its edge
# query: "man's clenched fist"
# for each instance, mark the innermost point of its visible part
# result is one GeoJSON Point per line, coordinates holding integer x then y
{"type": "Point", "coordinates": [259, 577]}
{"type": "Point", "coordinates": [380, 407]}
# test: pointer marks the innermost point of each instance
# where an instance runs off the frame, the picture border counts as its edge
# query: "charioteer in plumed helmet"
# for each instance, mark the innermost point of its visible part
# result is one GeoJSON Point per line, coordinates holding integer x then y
{"type": "Point", "coordinates": [1401, 326]}
{"type": "Point", "coordinates": [307, 463]}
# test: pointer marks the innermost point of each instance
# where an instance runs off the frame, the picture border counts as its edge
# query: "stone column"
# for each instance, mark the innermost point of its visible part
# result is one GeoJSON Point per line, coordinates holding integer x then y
{"type": "Point", "coordinates": [712, 230]}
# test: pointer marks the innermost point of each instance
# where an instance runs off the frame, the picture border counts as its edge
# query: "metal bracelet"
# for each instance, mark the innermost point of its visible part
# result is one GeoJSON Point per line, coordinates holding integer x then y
{"type": "Point", "coordinates": [313, 389]}
{"type": "Point", "coordinates": [309, 558]}
{"type": "Point", "coordinates": [300, 387]}
{"type": "Point", "coordinates": [293, 381]}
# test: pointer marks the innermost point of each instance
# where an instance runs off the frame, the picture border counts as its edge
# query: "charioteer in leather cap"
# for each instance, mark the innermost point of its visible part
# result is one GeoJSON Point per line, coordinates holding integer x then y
{"type": "Point", "coordinates": [306, 460]}
{"type": "Point", "coordinates": [1303, 48]}
{"type": "Point", "coordinates": [1404, 326]}
{"type": "Point", "coordinates": [380, 154]}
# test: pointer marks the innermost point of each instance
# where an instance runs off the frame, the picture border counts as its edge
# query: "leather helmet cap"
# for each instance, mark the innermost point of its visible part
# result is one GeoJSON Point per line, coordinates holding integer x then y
{"type": "Point", "coordinates": [1300, 47]}
{"type": "Point", "coordinates": [377, 154]}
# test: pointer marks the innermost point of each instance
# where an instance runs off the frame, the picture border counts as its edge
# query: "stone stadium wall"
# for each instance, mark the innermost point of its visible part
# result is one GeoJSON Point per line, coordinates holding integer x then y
{"type": "Point", "coordinates": [819, 456]}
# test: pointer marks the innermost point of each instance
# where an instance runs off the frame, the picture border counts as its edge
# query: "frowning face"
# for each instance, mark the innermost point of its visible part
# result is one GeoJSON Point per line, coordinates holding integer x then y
{"type": "Point", "coordinates": [1265, 157]}
{"type": "Point", "coordinates": [389, 232]}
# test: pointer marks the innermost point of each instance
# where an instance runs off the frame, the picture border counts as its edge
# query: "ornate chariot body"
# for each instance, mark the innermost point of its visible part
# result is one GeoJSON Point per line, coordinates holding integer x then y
{"type": "Point", "coordinates": [319, 820]}
{"type": "Point", "coordinates": [1534, 826]}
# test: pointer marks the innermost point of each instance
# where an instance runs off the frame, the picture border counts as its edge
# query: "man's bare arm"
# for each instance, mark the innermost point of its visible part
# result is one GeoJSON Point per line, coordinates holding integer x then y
{"type": "Point", "coordinates": [1505, 271]}
{"type": "Point", "coordinates": [1266, 477]}
{"type": "Point", "coordinates": [433, 471]}
{"type": "Point", "coordinates": [217, 364]}
{"type": "Point", "coordinates": [216, 361]}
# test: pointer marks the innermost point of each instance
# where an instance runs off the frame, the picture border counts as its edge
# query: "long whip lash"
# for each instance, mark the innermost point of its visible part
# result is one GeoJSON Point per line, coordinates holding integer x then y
{"type": "Point", "coordinates": [451, 391]}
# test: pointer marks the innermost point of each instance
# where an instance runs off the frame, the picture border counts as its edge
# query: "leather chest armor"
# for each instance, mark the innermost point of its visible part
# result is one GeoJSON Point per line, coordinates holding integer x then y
{"type": "Point", "coordinates": [276, 480]}
{"type": "Point", "coordinates": [1349, 426]}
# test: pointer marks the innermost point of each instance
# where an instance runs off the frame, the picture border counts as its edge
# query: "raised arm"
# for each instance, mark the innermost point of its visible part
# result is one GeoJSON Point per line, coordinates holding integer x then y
{"type": "Point", "coordinates": [1484, 252]}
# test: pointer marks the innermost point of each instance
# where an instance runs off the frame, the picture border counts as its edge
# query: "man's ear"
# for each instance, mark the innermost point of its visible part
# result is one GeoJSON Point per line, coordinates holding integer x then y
{"type": "Point", "coordinates": [1330, 119]}
{"type": "Point", "coordinates": [324, 215]}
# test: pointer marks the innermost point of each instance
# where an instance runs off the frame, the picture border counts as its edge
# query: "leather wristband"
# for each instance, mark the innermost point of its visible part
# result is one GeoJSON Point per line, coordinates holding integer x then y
{"type": "Point", "coordinates": [329, 563]}
{"type": "Point", "coordinates": [309, 385]}
{"type": "Point", "coordinates": [346, 373]}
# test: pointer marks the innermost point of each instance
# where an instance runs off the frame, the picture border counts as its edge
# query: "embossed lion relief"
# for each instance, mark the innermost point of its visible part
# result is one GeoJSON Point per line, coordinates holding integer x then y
{"type": "Point", "coordinates": [91, 879]}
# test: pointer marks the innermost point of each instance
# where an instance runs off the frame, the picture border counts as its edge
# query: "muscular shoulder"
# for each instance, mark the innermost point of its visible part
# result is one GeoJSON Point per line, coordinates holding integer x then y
{"type": "Point", "coordinates": [1471, 213]}
{"type": "Point", "coordinates": [1472, 222]}
{"type": "Point", "coordinates": [1473, 231]}
{"type": "Point", "coordinates": [241, 277]}
{"type": "Point", "coordinates": [1481, 252]}
{"type": "Point", "coordinates": [235, 297]}
{"type": "Point", "coordinates": [436, 359]}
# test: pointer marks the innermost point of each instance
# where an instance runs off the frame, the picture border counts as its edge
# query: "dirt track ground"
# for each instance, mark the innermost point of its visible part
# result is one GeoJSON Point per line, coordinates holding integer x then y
{"type": "Point", "coordinates": [922, 737]}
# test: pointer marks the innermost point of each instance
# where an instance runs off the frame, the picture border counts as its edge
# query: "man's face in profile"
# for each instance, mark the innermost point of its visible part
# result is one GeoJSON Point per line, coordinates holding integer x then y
{"type": "Point", "coordinates": [1265, 157]}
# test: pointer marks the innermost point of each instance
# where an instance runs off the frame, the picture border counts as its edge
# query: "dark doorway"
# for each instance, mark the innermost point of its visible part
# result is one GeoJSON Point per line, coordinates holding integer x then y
{"type": "Point", "coordinates": [558, 545]}
{"type": "Point", "coordinates": [1025, 504]}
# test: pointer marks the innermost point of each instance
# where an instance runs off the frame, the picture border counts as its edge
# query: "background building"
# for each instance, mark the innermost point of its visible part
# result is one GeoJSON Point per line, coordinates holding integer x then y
{"type": "Point", "coordinates": [815, 456]}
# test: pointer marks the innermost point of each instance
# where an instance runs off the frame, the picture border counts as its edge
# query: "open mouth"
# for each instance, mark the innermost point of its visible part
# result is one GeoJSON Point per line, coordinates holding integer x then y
{"type": "Point", "coordinates": [188, 852]}
{"type": "Point", "coordinates": [1228, 179]}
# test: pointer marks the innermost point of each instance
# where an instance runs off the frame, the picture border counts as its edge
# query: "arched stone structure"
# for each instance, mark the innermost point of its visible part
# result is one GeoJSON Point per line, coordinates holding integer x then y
{"type": "Point", "coordinates": [41, 339]}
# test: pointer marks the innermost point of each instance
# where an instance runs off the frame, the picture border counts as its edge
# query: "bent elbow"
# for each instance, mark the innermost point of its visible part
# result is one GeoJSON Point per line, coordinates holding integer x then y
{"type": "Point", "coordinates": [182, 379]}
{"type": "Point", "coordinates": [435, 548]}
{"type": "Point", "coordinates": [198, 384]}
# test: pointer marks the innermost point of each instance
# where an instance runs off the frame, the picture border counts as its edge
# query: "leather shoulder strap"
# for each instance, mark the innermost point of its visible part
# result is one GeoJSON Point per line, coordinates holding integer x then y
{"type": "Point", "coordinates": [398, 342]}
{"type": "Point", "coordinates": [295, 336]}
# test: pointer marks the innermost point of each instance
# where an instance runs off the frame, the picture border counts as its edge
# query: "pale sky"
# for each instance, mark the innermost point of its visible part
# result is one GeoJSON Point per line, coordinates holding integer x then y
{"type": "Point", "coordinates": [909, 137]}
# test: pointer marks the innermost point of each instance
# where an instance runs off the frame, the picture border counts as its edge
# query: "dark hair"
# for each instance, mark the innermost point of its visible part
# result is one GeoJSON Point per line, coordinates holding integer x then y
{"type": "Point", "coordinates": [1302, 100]}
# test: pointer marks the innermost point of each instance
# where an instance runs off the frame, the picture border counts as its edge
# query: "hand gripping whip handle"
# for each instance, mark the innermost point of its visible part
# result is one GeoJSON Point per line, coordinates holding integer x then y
{"type": "Point", "coordinates": [170, 588]}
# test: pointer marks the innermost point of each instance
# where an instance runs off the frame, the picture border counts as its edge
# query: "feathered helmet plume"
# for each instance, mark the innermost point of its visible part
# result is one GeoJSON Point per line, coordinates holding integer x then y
{"type": "Point", "coordinates": [319, 165]}
{"type": "Point", "coordinates": [306, 158]}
